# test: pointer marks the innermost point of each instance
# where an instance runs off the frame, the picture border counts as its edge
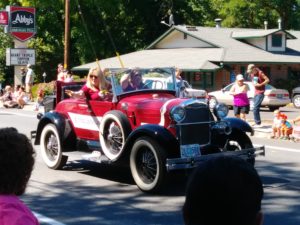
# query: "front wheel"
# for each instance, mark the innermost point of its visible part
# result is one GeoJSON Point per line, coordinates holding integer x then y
{"type": "Point", "coordinates": [212, 102]}
{"type": "Point", "coordinates": [114, 129]}
{"type": "Point", "coordinates": [147, 164]}
{"type": "Point", "coordinates": [238, 141]}
{"type": "Point", "coordinates": [296, 101]}
{"type": "Point", "coordinates": [51, 148]}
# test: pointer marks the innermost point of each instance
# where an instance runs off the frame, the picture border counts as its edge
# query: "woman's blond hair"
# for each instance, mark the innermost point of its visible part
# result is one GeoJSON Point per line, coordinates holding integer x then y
{"type": "Point", "coordinates": [103, 83]}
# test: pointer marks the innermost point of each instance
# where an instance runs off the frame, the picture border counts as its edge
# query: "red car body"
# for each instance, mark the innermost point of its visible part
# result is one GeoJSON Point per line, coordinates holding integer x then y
{"type": "Point", "coordinates": [150, 130]}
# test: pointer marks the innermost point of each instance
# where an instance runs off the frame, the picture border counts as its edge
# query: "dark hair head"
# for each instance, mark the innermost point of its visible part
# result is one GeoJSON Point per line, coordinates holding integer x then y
{"type": "Point", "coordinates": [16, 161]}
{"type": "Point", "coordinates": [223, 190]}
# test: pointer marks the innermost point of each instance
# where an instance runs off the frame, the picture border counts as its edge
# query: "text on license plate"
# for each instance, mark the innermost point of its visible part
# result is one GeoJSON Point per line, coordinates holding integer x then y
{"type": "Point", "coordinates": [188, 151]}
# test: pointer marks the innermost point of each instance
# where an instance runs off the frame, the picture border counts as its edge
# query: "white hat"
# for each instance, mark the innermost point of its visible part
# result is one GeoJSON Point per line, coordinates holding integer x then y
{"type": "Point", "coordinates": [28, 65]}
{"type": "Point", "coordinates": [239, 77]}
{"type": "Point", "coordinates": [250, 67]}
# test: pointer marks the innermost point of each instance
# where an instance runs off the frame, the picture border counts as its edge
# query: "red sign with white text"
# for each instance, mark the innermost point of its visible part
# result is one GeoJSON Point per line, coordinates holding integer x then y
{"type": "Point", "coordinates": [22, 22]}
{"type": "Point", "coordinates": [3, 18]}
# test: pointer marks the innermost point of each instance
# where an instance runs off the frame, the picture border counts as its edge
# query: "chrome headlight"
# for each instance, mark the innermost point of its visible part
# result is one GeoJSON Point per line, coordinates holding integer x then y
{"type": "Point", "coordinates": [178, 113]}
{"type": "Point", "coordinates": [221, 110]}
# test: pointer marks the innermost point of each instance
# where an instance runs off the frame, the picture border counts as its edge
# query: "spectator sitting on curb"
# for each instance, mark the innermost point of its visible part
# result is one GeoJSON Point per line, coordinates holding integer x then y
{"type": "Point", "coordinates": [224, 190]}
{"type": "Point", "coordinates": [286, 128]}
{"type": "Point", "coordinates": [276, 132]}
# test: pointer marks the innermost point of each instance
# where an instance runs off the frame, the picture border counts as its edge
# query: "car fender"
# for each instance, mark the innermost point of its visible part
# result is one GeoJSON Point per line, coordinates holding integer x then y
{"type": "Point", "coordinates": [61, 123]}
{"type": "Point", "coordinates": [239, 124]}
{"type": "Point", "coordinates": [158, 133]}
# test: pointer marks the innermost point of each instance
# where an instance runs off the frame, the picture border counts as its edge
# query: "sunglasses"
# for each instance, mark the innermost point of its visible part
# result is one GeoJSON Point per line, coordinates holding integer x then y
{"type": "Point", "coordinates": [93, 76]}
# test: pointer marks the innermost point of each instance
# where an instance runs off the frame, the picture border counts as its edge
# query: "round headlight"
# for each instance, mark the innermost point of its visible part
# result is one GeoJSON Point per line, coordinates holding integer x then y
{"type": "Point", "coordinates": [221, 110]}
{"type": "Point", "coordinates": [177, 113]}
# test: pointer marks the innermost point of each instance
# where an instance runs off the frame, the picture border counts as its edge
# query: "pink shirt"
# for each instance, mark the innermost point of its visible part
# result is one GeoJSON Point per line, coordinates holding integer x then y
{"type": "Point", "coordinates": [240, 99]}
{"type": "Point", "coordinates": [14, 212]}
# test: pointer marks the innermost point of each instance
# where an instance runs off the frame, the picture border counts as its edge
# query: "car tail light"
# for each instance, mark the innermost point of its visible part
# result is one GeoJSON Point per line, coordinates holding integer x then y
{"type": "Point", "coordinates": [271, 95]}
{"type": "Point", "coordinates": [286, 95]}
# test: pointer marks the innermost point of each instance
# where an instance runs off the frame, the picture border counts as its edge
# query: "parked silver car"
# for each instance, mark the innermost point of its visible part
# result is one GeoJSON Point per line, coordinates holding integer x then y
{"type": "Point", "coordinates": [187, 90]}
{"type": "Point", "coordinates": [274, 98]}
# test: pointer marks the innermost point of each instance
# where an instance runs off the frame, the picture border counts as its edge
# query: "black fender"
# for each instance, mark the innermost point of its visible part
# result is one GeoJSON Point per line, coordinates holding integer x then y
{"type": "Point", "coordinates": [160, 134]}
{"type": "Point", "coordinates": [62, 125]}
{"type": "Point", "coordinates": [238, 124]}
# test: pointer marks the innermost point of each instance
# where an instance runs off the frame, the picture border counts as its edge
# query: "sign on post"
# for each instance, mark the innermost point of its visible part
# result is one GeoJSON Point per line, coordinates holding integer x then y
{"type": "Point", "coordinates": [20, 56]}
{"type": "Point", "coordinates": [21, 22]}
{"type": "Point", "coordinates": [3, 18]}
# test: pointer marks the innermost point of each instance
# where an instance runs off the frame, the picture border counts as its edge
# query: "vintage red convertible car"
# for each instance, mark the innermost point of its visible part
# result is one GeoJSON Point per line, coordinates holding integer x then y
{"type": "Point", "coordinates": [150, 130]}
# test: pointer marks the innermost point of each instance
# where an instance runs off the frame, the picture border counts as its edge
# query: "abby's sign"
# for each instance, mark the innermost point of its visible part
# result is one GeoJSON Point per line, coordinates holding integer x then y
{"type": "Point", "coordinates": [21, 22]}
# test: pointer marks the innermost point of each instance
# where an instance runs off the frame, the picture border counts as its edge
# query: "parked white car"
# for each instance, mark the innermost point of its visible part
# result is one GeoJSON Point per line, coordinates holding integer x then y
{"type": "Point", "coordinates": [274, 98]}
{"type": "Point", "coordinates": [187, 90]}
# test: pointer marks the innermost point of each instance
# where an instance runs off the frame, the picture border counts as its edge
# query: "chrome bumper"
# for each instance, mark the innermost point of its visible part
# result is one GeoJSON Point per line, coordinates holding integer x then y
{"type": "Point", "coordinates": [189, 163]}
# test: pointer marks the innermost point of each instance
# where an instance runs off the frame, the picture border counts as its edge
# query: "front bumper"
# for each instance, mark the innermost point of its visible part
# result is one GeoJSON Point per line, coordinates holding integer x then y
{"type": "Point", "coordinates": [189, 163]}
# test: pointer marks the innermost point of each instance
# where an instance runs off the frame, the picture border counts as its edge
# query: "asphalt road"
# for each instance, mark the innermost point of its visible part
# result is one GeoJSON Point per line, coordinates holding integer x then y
{"type": "Point", "coordinates": [90, 194]}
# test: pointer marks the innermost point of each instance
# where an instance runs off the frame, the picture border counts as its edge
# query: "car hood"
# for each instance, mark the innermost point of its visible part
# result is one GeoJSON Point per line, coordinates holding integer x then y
{"type": "Point", "coordinates": [150, 108]}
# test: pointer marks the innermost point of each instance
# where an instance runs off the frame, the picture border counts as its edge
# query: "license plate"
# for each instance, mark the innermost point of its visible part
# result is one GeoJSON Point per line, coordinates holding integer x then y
{"type": "Point", "coordinates": [188, 151]}
{"type": "Point", "coordinates": [280, 96]}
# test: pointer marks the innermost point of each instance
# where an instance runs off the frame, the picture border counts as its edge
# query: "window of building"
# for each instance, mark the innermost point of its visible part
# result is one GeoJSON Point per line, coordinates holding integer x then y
{"type": "Point", "coordinates": [276, 40]}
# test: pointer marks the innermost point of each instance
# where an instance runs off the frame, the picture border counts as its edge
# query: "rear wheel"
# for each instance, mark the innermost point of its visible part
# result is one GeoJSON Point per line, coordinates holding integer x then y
{"type": "Point", "coordinates": [296, 101]}
{"type": "Point", "coordinates": [51, 148]}
{"type": "Point", "coordinates": [237, 141]}
{"type": "Point", "coordinates": [148, 164]}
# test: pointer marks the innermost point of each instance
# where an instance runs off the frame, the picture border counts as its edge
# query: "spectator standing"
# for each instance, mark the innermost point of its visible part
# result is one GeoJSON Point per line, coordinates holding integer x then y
{"type": "Point", "coordinates": [241, 103]}
{"type": "Point", "coordinates": [60, 68]}
{"type": "Point", "coordinates": [16, 165]}
{"type": "Point", "coordinates": [29, 81]}
{"type": "Point", "coordinates": [68, 77]}
{"type": "Point", "coordinates": [39, 99]}
{"type": "Point", "coordinates": [259, 80]}
{"type": "Point", "coordinates": [224, 190]}
{"type": "Point", "coordinates": [23, 76]}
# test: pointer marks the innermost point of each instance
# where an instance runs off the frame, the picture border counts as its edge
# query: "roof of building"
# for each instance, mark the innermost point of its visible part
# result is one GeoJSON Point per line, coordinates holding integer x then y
{"type": "Point", "coordinates": [224, 46]}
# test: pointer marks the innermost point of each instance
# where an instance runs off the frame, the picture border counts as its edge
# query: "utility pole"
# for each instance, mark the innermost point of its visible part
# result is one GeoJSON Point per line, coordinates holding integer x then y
{"type": "Point", "coordinates": [67, 35]}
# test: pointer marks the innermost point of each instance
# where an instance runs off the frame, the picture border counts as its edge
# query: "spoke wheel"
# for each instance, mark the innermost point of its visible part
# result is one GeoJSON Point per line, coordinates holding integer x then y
{"type": "Point", "coordinates": [238, 141]}
{"type": "Point", "coordinates": [147, 164]}
{"type": "Point", "coordinates": [51, 148]}
{"type": "Point", "coordinates": [114, 129]}
{"type": "Point", "coordinates": [212, 102]}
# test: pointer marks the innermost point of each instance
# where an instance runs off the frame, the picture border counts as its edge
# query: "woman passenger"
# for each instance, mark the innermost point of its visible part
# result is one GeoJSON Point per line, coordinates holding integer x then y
{"type": "Point", "coordinates": [96, 87]}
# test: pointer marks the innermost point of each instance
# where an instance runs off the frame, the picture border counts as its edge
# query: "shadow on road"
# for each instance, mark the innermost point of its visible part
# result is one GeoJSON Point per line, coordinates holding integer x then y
{"type": "Point", "coordinates": [121, 202]}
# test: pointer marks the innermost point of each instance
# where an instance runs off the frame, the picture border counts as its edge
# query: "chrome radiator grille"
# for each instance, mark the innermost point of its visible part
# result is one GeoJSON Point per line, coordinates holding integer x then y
{"type": "Point", "coordinates": [195, 128]}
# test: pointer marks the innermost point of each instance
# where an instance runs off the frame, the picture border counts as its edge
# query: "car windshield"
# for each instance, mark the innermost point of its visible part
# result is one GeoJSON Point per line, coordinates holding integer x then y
{"type": "Point", "coordinates": [140, 79]}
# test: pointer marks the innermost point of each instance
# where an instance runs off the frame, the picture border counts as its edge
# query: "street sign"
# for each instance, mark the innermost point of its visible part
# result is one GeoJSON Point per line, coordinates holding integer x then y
{"type": "Point", "coordinates": [22, 22]}
{"type": "Point", "coordinates": [20, 56]}
{"type": "Point", "coordinates": [3, 18]}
